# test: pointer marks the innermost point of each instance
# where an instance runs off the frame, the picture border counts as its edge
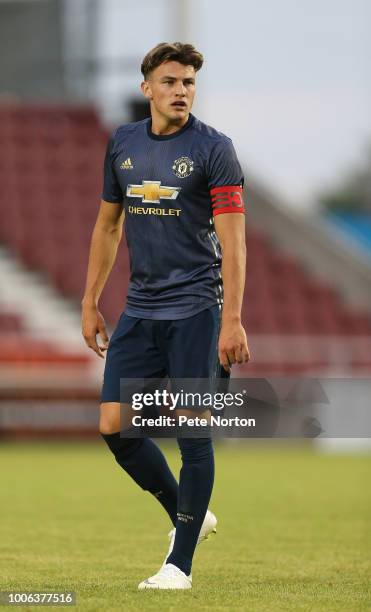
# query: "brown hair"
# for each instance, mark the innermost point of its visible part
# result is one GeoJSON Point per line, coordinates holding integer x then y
{"type": "Point", "coordinates": [185, 54]}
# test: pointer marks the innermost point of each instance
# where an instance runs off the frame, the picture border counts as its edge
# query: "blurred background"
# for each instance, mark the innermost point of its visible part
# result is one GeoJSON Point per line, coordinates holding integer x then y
{"type": "Point", "coordinates": [289, 82]}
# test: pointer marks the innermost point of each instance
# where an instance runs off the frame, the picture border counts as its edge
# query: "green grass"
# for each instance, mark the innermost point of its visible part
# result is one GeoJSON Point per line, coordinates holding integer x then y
{"type": "Point", "coordinates": [293, 530]}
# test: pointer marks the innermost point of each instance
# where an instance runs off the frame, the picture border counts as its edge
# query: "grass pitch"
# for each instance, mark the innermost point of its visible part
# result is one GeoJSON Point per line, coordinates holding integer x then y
{"type": "Point", "coordinates": [292, 534]}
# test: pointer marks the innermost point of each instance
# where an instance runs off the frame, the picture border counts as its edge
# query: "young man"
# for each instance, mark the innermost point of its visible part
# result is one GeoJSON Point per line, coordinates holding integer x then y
{"type": "Point", "coordinates": [178, 184]}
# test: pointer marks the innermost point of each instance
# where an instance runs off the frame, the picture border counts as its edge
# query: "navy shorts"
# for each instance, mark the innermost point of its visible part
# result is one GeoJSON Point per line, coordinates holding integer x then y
{"type": "Point", "coordinates": [158, 349]}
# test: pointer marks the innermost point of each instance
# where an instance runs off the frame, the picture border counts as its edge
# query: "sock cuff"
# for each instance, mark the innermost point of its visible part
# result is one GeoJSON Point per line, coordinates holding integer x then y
{"type": "Point", "coordinates": [111, 439]}
{"type": "Point", "coordinates": [195, 449]}
{"type": "Point", "coordinates": [117, 444]}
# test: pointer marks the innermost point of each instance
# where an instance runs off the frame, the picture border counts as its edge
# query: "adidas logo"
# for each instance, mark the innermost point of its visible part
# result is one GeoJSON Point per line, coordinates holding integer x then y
{"type": "Point", "coordinates": [126, 165]}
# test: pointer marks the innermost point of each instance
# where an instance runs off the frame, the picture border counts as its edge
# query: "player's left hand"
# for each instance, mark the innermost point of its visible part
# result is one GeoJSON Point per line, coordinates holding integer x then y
{"type": "Point", "coordinates": [232, 347]}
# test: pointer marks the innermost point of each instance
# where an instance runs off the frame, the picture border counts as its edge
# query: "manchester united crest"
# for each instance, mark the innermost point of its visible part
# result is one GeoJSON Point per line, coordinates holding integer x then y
{"type": "Point", "coordinates": [183, 167]}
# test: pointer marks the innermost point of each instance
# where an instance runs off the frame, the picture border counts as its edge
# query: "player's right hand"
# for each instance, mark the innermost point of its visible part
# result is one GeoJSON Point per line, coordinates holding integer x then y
{"type": "Point", "coordinates": [93, 324]}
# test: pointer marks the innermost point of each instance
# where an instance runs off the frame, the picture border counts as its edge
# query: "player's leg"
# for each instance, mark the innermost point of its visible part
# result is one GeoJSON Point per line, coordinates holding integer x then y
{"type": "Point", "coordinates": [193, 518]}
{"type": "Point", "coordinates": [192, 353]}
{"type": "Point", "coordinates": [193, 349]}
{"type": "Point", "coordinates": [130, 355]}
{"type": "Point", "coordinates": [195, 487]}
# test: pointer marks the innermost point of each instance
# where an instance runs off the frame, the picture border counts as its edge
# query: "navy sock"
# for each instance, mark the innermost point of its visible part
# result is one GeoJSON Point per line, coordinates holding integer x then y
{"type": "Point", "coordinates": [195, 487]}
{"type": "Point", "coordinates": [142, 459]}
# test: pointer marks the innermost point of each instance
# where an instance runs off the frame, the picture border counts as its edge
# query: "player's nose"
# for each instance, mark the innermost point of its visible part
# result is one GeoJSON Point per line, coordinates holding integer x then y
{"type": "Point", "coordinates": [181, 90]}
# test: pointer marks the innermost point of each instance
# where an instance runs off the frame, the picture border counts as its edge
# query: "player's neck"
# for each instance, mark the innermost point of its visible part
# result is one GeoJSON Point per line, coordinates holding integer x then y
{"type": "Point", "coordinates": [161, 126]}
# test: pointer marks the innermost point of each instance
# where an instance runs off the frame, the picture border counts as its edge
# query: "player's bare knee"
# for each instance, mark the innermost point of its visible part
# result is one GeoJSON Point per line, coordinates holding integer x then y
{"type": "Point", "coordinates": [108, 427]}
{"type": "Point", "coordinates": [109, 421]}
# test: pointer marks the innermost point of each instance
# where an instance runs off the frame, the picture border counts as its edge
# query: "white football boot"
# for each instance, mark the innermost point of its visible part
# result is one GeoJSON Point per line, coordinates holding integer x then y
{"type": "Point", "coordinates": [168, 577]}
{"type": "Point", "coordinates": [171, 577]}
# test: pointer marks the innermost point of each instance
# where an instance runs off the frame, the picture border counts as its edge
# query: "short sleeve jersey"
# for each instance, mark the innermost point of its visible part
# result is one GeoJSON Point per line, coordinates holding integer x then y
{"type": "Point", "coordinates": [166, 185]}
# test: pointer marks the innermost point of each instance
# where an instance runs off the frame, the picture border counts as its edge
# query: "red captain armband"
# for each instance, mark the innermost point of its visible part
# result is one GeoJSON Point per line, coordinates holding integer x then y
{"type": "Point", "coordinates": [227, 199]}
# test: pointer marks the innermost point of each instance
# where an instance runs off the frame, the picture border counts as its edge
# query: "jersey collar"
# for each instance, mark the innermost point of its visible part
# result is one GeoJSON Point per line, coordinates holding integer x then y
{"type": "Point", "coordinates": [169, 136]}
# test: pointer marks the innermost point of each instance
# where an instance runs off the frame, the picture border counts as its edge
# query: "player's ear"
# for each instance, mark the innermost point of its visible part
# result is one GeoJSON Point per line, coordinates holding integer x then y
{"type": "Point", "coordinates": [146, 90]}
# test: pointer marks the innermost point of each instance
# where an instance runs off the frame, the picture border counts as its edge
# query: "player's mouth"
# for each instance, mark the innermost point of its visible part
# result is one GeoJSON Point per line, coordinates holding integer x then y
{"type": "Point", "coordinates": [179, 104]}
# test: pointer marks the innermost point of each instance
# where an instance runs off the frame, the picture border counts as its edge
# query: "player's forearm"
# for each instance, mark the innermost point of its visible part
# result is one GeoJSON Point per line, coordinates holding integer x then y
{"type": "Point", "coordinates": [233, 275]}
{"type": "Point", "coordinates": [103, 250]}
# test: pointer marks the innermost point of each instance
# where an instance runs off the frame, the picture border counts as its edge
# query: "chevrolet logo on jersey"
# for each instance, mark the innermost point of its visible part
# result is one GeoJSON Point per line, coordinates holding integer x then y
{"type": "Point", "coordinates": [151, 192]}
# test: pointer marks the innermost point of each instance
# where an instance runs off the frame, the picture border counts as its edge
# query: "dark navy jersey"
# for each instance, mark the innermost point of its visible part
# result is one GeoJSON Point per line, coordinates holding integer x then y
{"type": "Point", "coordinates": [171, 187]}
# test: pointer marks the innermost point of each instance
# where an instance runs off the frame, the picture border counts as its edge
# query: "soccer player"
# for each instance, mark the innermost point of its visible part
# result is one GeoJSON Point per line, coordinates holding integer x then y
{"type": "Point", "coordinates": [177, 183]}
